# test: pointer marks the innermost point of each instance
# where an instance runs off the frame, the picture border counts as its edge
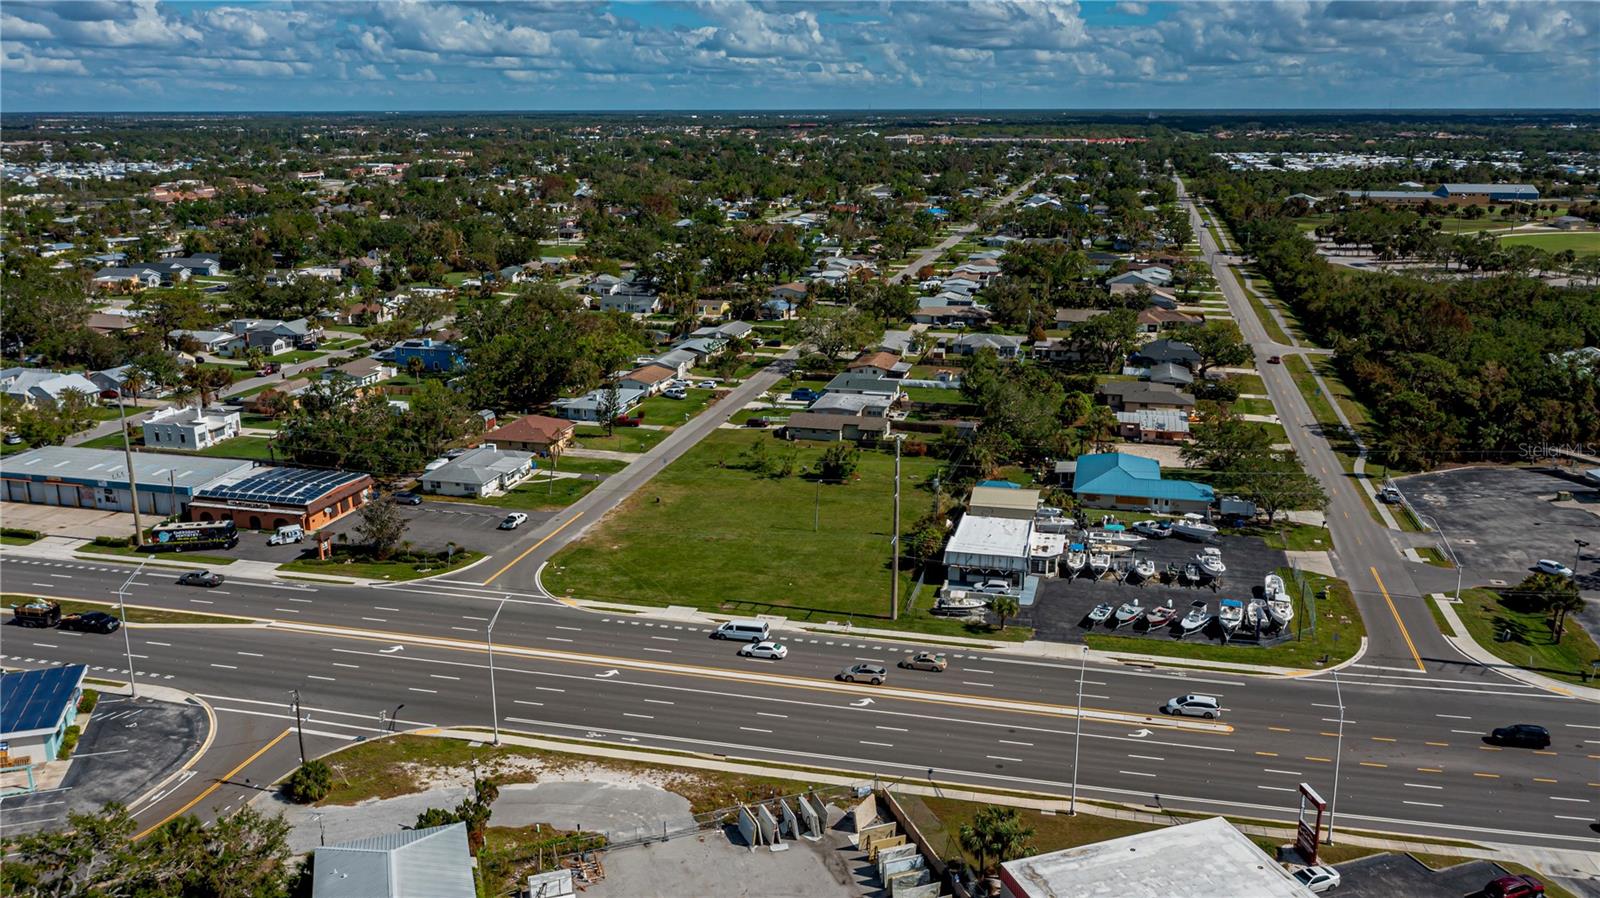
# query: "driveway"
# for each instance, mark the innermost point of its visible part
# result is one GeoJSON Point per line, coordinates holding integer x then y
{"type": "Point", "coordinates": [78, 523]}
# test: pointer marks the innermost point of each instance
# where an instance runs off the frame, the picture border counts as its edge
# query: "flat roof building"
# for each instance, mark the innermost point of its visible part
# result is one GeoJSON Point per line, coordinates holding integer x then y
{"type": "Point", "coordinates": [985, 548]}
{"type": "Point", "coordinates": [36, 707]}
{"type": "Point", "coordinates": [270, 498]}
{"type": "Point", "coordinates": [1002, 502]}
{"type": "Point", "coordinates": [75, 477]}
{"type": "Point", "coordinates": [481, 472]}
{"type": "Point", "coordinates": [416, 863]}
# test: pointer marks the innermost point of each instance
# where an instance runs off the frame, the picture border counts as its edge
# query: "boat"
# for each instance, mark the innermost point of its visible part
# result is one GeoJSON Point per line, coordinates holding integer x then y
{"type": "Point", "coordinates": [958, 603]}
{"type": "Point", "coordinates": [1144, 569]}
{"type": "Point", "coordinates": [1160, 616]}
{"type": "Point", "coordinates": [1230, 615]}
{"type": "Point", "coordinates": [1191, 573]}
{"type": "Point", "coordinates": [1210, 562]}
{"type": "Point", "coordinates": [1256, 616]}
{"type": "Point", "coordinates": [1109, 548]}
{"type": "Point", "coordinates": [1192, 526]}
{"type": "Point", "coordinates": [1281, 609]}
{"type": "Point", "coordinates": [1127, 611]}
{"type": "Point", "coordinates": [1099, 563]}
{"type": "Point", "coordinates": [1197, 618]}
{"type": "Point", "coordinates": [1100, 612]}
{"type": "Point", "coordinates": [1076, 560]}
{"type": "Point", "coordinates": [1272, 588]}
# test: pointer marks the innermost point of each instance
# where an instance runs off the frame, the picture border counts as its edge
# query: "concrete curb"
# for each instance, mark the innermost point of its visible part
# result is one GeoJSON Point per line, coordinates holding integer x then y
{"type": "Point", "coordinates": [172, 696]}
{"type": "Point", "coordinates": [1468, 646]}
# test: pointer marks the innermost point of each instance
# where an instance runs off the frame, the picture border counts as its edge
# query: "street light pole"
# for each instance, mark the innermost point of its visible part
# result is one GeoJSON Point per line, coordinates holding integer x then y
{"type": "Point", "coordinates": [299, 725]}
{"type": "Point", "coordinates": [894, 585]}
{"type": "Point", "coordinates": [1577, 557]}
{"type": "Point", "coordinates": [494, 699]}
{"type": "Point", "coordinates": [1338, 755]}
{"type": "Point", "coordinates": [1454, 559]}
{"type": "Point", "coordinates": [133, 480]}
{"type": "Point", "coordinates": [1077, 736]}
{"type": "Point", "coordinates": [127, 643]}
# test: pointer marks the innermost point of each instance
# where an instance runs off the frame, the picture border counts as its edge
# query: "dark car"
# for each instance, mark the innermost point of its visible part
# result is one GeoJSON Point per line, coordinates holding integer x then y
{"type": "Point", "coordinates": [408, 498]}
{"type": "Point", "coordinates": [1275, 360]}
{"type": "Point", "coordinates": [804, 394]}
{"type": "Point", "coordinates": [200, 578]}
{"type": "Point", "coordinates": [1522, 735]}
{"type": "Point", "coordinates": [90, 622]}
{"type": "Point", "coordinates": [1514, 886]}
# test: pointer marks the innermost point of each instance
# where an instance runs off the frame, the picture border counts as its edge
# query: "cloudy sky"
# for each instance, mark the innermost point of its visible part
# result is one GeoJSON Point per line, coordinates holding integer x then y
{"type": "Point", "coordinates": [103, 55]}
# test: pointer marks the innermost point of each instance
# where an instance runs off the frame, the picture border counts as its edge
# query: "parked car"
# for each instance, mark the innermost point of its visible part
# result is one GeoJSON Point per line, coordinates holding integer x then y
{"type": "Point", "coordinates": [633, 420]}
{"type": "Point", "coordinates": [200, 578]}
{"type": "Point", "coordinates": [1318, 879]}
{"type": "Point", "coordinates": [1551, 566]}
{"type": "Point", "coordinates": [1521, 735]}
{"type": "Point", "coordinates": [90, 622]}
{"type": "Point", "coordinates": [676, 393]}
{"type": "Point", "coordinates": [766, 648]}
{"type": "Point", "coordinates": [758, 422]}
{"type": "Point", "coordinates": [408, 498]}
{"type": "Point", "coordinates": [1193, 706]}
{"type": "Point", "coordinates": [13, 440]}
{"type": "Point", "coordinates": [268, 368]}
{"type": "Point", "coordinates": [707, 385]}
{"type": "Point", "coordinates": [512, 521]}
{"type": "Point", "coordinates": [925, 661]}
{"type": "Point", "coordinates": [1390, 496]}
{"type": "Point", "coordinates": [1153, 529]}
{"type": "Point", "coordinates": [291, 533]}
{"type": "Point", "coordinates": [1514, 886]}
{"type": "Point", "coordinates": [991, 586]}
{"type": "Point", "coordinates": [1276, 360]}
{"type": "Point", "coordinates": [805, 395]}
{"type": "Point", "coordinates": [870, 673]}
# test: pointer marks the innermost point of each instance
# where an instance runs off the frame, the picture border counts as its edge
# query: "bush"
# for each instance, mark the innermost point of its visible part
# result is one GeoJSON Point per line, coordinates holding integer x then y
{"type": "Point", "coordinates": [87, 701]}
{"type": "Point", "coordinates": [21, 533]}
{"type": "Point", "coordinates": [115, 542]}
{"type": "Point", "coordinates": [69, 742]}
{"type": "Point", "coordinates": [310, 782]}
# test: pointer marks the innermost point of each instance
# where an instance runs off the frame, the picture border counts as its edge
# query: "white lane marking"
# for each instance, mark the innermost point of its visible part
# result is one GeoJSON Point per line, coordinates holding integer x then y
{"type": "Point", "coordinates": [1011, 742]}
{"type": "Point", "coordinates": [1003, 758]}
{"type": "Point", "coordinates": [895, 729]}
{"type": "Point", "coordinates": [1147, 757]}
{"type": "Point", "coordinates": [252, 654]}
{"type": "Point", "coordinates": [1579, 819]}
{"type": "Point", "coordinates": [879, 744]}
{"type": "Point", "coordinates": [1092, 695]}
{"type": "Point", "coordinates": [443, 677]}
{"type": "Point", "coordinates": [666, 638]}
{"type": "Point", "coordinates": [153, 642]}
{"type": "Point", "coordinates": [977, 670]}
{"type": "Point", "coordinates": [429, 691]}
{"type": "Point", "coordinates": [315, 677]}
{"type": "Point", "coordinates": [519, 701]}
{"type": "Point", "coordinates": [1578, 800]}
{"type": "Point", "coordinates": [549, 689]}
{"type": "Point", "coordinates": [287, 610]}
{"type": "Point", "coordinates": [971, 683]}
{"type": "Point", "coordinates": [1322, 705]}
{"type": "Point", "coordinates": [1421, 786]}
{"type": "Point", "coordinates": [465, 629]}
{"type": "Point", "coordinates": [557, 639]}
{"type": "Point", "coordinates": [643, 716]}
{"type": "Point", "coordinates": [1453, 716]}
{"type": "Point", "coordinates": [377, 620]}
{"type": "Point", "coordinates": [202, 602]}
{"type": "Point", "coordinates": [351, 666]}
{"type": "Point", "coordinates": [225, 666]}
{"type": "Point", "coordinates": [47, 645]}
{"type": "Point", "coordinates": [63, 576]}
{"type": "Point", "coordinates": [1276, 788]}
{"type": "Point", "coordinates": [1336, 720]}
{"type": "Point", "coordinates": [383, 608]}
{"type": "Point", "coordinates": [754, 730]}
{"type": "Point", "coordinates": [870, 660]}
{"type": "Point", "coordinates": [573, 629]}
{"type": "Point", "coordinates": [770, 714]}
{"type": "Point", "coordinates": [220, 592]}
{"type": "Point", "coordinates": [659, 701]}
{"type": "Point", "coordinates": [645, 648]}
{"type": "Point", "coordinates": [1582, 726]}
{"type": "Point", "coordinates": [1424, 804]}
{"type": "Point", "coordinates": [1282, 772]}
{"type": "Point", "coordinates": [473, 617]}
{"type": "Point", "coordinates": [301, 601]}
{"type": "Point", "coordinates": [1134, 773]}
{"type": "Point", "coordinates": [1467, 732]}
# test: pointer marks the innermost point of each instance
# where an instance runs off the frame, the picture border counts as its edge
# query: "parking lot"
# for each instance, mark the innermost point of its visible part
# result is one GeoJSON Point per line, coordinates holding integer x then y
{"type": "Point", "coordinates": [1060, 611]}
{"type": "Point", "coordinates": [432, 526]}
{"type": "Point", "coordinates": [1501, 520]}
{"type": "Point", "coordinates": [1388, 875]}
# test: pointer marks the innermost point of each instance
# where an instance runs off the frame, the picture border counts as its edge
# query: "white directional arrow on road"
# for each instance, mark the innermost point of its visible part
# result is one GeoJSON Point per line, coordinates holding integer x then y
{"type": "Point", "coordinates": [1139, 734]}
{"type": "Point", "coordinates": [610, 673]}
{"type": "Point", "coordinates": [861, 704]}
{"type": "Point", "coordinates": [392, 649]}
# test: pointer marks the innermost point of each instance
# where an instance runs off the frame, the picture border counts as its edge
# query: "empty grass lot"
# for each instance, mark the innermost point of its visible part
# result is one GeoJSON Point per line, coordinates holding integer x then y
{"type": "Point", "coordinates": [1584, 243]}
{"type": "Point", "coordinates": [705, 532]}
{"type": "Point", "coordinates": [580, 465]}
{"type": "Point", "coordinates": [670, 412]}
{"type": "Point", "coordinates": [1487, 618]}
{"type": "Point", "coordinates": [624, 439]}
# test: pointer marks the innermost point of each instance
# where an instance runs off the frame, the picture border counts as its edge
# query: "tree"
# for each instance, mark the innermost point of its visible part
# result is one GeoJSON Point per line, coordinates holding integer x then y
{"type": "Point", "coordinates": [1224, 442]}
{"type": "Point", "coordinates": [997, 834]}
{"type": "Point", "coordinates": [1549, 594]}
{"type": "Point", "coordinates": [610, 406]}
{"type": "Point", "coordinates": [310, 782]}
{"type": "Point", "coordinates": [1106, 338]}
{"type": "Point", "coordinates": [832, 331]}
{"type": "Point", "coordinates": [838, 462]}
{"type": "Point", "coordinates": [474, 811]}
{"type": "Point", "coordinates": [1218, 343]}
{"type": "Point", "coordinates": [1281, 484]}
{"type": "Point", "coordinates": [1004, 607]}
{"type": "Point", "coordinates": [382, 526]}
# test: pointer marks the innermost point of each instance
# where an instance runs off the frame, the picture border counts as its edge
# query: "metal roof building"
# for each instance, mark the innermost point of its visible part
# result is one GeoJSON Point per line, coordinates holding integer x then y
{"type": "Point", "coordinates": [417, 863]}
{"type": "Point", "coordinates": [36, 707]}
{"type": "Point", "coordinates": [1120, 480]}
{"type": "Point", "coordinates": [276, 497]}
{"type": "Point", "coordinates": [98, 478]}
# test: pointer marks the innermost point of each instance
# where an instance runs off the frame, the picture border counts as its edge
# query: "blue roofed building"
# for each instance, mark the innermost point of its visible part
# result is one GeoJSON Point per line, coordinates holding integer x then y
{"type": "Point", "coordinates": [435, 355]}
{"type": "Point", "coordinates": [1134, 483]}
{"type": "Point", "coordinates": [36, 707]}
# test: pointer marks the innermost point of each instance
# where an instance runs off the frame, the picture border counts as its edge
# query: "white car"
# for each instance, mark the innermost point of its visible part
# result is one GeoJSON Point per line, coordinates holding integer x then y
{"type": "Point", "coordinates": [1549, 566]}
{"type": "Point", "coordinates": [676, 393]}
{"type": "Point", "coordinates": [991, 586]}
{"type": "Point", "coordinates": [513, 520]}
{"type": "Point", "coordinates": [707, 385]}
{"type": "Point", "coordinates": [766, 648]}
{"type": "Point", "coordinates": [1194, 706]}
{"type": "Point", "coordinates": [1318, 879]}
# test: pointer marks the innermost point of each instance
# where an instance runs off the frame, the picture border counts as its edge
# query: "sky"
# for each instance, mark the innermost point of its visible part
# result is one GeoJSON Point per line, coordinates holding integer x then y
{"type": "Point", "coordinates": [149, 56]}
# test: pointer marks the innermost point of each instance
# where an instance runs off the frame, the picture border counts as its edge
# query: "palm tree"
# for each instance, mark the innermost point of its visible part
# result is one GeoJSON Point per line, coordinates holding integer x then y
{"type": "Point", "coordinates": [1103, 426]}
{"type": "Point", "coordinates": [1004, 607]}
{"type": "Point", "coordinates": [995, 833]}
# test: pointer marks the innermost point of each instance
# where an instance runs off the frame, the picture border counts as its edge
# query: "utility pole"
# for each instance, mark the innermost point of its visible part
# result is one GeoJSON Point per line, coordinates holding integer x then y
{"type": "Point", "coordinates": [494, 698]}
{"type": "Point", "coordinates": [1077, 736]}
{"type": "Point", "coordinates": [133, 481]}
{"type": "Point", "coordinates": [299, 725]}
{"type": "Point", "coordinates": [894, 585]}
{"type": "Point", "coordinates": [127, 643]}
{"type": "Point", "coordinates": [1338, 755]}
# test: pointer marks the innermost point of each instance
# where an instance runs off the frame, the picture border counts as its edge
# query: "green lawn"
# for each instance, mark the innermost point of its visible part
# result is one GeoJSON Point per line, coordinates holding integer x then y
{"type": "Point", "coordinates": [1338, 634]}
{"type": "Point", "coordinates": [580, 465]}
{"type": "Point", "coordinates": [296, 356]}
{"type": "Point", "coordinates": [254, 448]}
{"type": "Point", "coordinates": [126, 552]}
{"type": "Point", "coordinates": [1434, 557]}
{"type": "Point", "coordinates": [758, 545]}
{"type": "Point", "coordinates": [16, 541]}
{"type": "Point", "coordinates": [1584, 243]}
{"type": "Point", "coordinates": [1289, 537]}
{"type": "Point", "coordinates": [378, 570]}
{"type": "Point", "coordinates": [670, 412]}
{"type": "Point", "coordinates": [1254, 407]}
{"type": "Point", "coordinates": [1248, 383]}
{"type": "Point", "coordinates": [624, 439]}
{"type": "Point", "coordinates": [1488, 619]}
{"type": "Point", "coordinates": [1263, 314]}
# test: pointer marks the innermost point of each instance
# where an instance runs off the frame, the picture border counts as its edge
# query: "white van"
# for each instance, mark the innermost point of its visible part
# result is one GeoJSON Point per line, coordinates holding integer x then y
{"type": "Point", "coordinates": [1194, 706]}
{"type": "Point", "coordinates": [293, 533]}
{"type": "Point", "coordinates": [742, 630]}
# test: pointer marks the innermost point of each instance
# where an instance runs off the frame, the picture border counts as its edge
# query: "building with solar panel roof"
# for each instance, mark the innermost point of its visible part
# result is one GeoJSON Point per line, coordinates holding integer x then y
{"type": "Point", "coordinates": [269, 498]}
{"type": "Point", "coordinates": [36, 707]}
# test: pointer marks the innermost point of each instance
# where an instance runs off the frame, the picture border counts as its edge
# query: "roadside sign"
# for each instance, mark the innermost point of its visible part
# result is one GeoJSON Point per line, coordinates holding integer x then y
{"type": "Point", "coordinates": [1307, 836]}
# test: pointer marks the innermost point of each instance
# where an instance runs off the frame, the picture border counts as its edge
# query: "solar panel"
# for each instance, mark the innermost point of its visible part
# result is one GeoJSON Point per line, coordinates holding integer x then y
{"type": "Point", "coordinates": [291, 486]}
{"type": "Point", "coordinates": [34, 699]}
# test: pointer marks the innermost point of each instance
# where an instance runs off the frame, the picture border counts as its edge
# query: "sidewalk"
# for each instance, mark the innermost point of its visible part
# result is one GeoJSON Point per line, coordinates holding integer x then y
{"type": "Point", "coordinates": [60, 548]}
{"type": "Point", "coordinates": [1463, 641]}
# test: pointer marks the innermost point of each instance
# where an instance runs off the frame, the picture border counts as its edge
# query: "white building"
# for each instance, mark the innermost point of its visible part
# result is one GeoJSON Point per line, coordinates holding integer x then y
{"type": "Point", "coordinates": [482, 472]}
{"type": "Point", "coordinates": [190, 428]}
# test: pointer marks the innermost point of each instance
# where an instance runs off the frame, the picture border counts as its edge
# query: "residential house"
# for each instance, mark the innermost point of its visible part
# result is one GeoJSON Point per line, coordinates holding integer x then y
{"type": "Point", "coordinates": [592, 406]}
{"type": "Point", "coordinates": [1170, 373]}
{"type": "Point", "coordinates": [116, 379]}
{"type": "Point", "coordinates": [125, 279]}
{"type": "Point", "coordinates": [864, 385]}
{"type": "Point", "coordinates": [214, 342]}
{"type": "Point", "coordinates": [714, 309]}
{"type": "Point", "coordinates": [1160, 297]}
{"type": "Point", "coordinates": [651, 378]}
{"type": "Point", "coordinates": [1055, 351]}
{"type": "Point", "coordinates": [777, 310]}
{"type": "Point", "coordinates": [1134, 483]}
{"type": "Point", "coordinates": [435, 355]}
{"type": "Point", "coordinates": [727, 331]}
{"type": "Point", "coordinates": [1138, 395]}
{"type": "Point", "coordinates": [1158, 351]}
{"type": "Point", "coordinates": [171, 272]}
{"type": "Point", "coordinates": [479, 473]}
{"type": "Point", "coordinates": [793, 292]}
{"type": "Point", "coordinates": [1066, 318]}
{"type": "Point", "coordinates": [1154, 319]}
{"type": "Point", "coordinates": [704, 347]}
{"type": "Point", "coordinates": [678, 360]}
{"type": "Point", "coordinates": [1146, 278]}
{"type": "Point", "coordinates": [512, 274]}
{"type": "Point", "coordinates": [631, 302]}
{"type": "Point", "coordinates": [42, 386]}
{"type": "Point", "coordinates": [363, 313]}
{"type": "Point", "coordinates": [265, 401]}
{"type": "Point", "coordinates": [1153, 426]}
{"type": "Point", "coordinates": [539, 434]}
{"type": "Point", "coordinates": [433, 862]}
{"type": "Point", "coordinates": [604, 284]}
{"type": "Point", "coordinates": [857, 405]}
{"type": "Point", "coordinates": [187, 427]}
{"type": "Point", "coordinates": [951, 316]}
{"type": "Point", "coordinates": [110, 324]}
{"type": "Point", "coordinates": [331, 273]}
{"type": "Point", "coordinates": [1004, 345]}
{"type": "Point", "coordinates": [880, 364]}
{"type": "Point", "coordinates": [271, 335]}
{"type": "Point", "coordinates": [361, 373]}
{"type": "Point", "coordinates": [833, 428]}
{"type": "Point", "coordinates": [199, 264]}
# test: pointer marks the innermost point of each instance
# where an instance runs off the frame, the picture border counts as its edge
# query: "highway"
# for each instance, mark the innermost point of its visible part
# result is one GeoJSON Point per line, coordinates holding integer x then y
{"type": "Point", "coordinates": [415, 654]}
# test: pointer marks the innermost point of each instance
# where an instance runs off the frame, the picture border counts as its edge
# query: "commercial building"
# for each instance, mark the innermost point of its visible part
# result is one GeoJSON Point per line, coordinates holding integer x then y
{"type": "Point", "coordinates": [36, 707]}
{"type": "Point", "coordinates": [1203, 859]}
{"type": "Point", "coordinates": [186, 427]}
{"type": "Point", "coordinates": [270, 498]}
{"type": "Point", "coordinates": [1134, 483]}
{"type": "Point", "coordinates": [1460, 194]}
{"type": "Point", "coordinates": [1003, 502]}
{"type": "Point", "coordinates": [75, 477]}
{"type": "Point", "coordinates": [985, 548]}
{"type": "Point", "coordinates": [417, 863]}
{"type": "Point", "coordinates": [485, 471]}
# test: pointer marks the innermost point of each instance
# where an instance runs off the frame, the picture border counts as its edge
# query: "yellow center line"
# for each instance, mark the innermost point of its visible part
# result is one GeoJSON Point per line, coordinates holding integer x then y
{"type": "Point", "coordinates": [1323, 760]}
{"type": "Point", "coordinates": [1382, 739]}
{"type": "Point", "coordinates": [1334, 735]}
{"type": "Point", "coordinates": [1541, 779]}
{"type": "Point", "coordinates": [1267, 754]}
{"type": "Point", "coordinates": [1280, 729]}
{"type": "Point", "coordinates": [1488, 776]}
{"type": "Point", "coordinates": [1430, 770]}
{"type": "Point", "coordinates": [1487, 748]}
{"type": "Point", "coordinates": [1596, 785]}
{"type": "Point", "coordinates": [1438, 744]}
{"type": "Point", "coordinates": [527, 551]}
{"type": "Point", "coordinates": [1544, 753]}
{"type": "Point", "coordinates": [1398, 622]}
{"type": "Point", "coordinates": [1372, 764]}
{"type": "Point", "coordinates": [214, 786]}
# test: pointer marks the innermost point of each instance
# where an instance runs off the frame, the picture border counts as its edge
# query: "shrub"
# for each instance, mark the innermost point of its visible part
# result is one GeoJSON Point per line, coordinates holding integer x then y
{"type": "Point", "coordinates": [69, 742]}
{"type": "Point", "coordinates": [21, 533]}
{"type": "Point", "coordinates": [87, 701]}
{"type": "Point", "coordinates": [310, 782]}
{"type": "Point", "coordinates": [116, 542]}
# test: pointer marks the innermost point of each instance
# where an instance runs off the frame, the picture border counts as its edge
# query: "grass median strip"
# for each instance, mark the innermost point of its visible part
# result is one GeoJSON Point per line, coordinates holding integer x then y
{"type": "Point", "coordinates": [129, 552]}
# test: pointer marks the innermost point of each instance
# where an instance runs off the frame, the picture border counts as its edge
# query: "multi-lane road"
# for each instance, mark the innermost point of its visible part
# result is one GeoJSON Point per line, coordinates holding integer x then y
{"type": "Point", "coordinates": [1411, 758]}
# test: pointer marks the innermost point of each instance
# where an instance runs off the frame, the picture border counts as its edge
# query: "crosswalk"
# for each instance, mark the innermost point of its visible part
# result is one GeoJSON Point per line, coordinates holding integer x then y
{"type": "Point", "coordinates": [55, 662]}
